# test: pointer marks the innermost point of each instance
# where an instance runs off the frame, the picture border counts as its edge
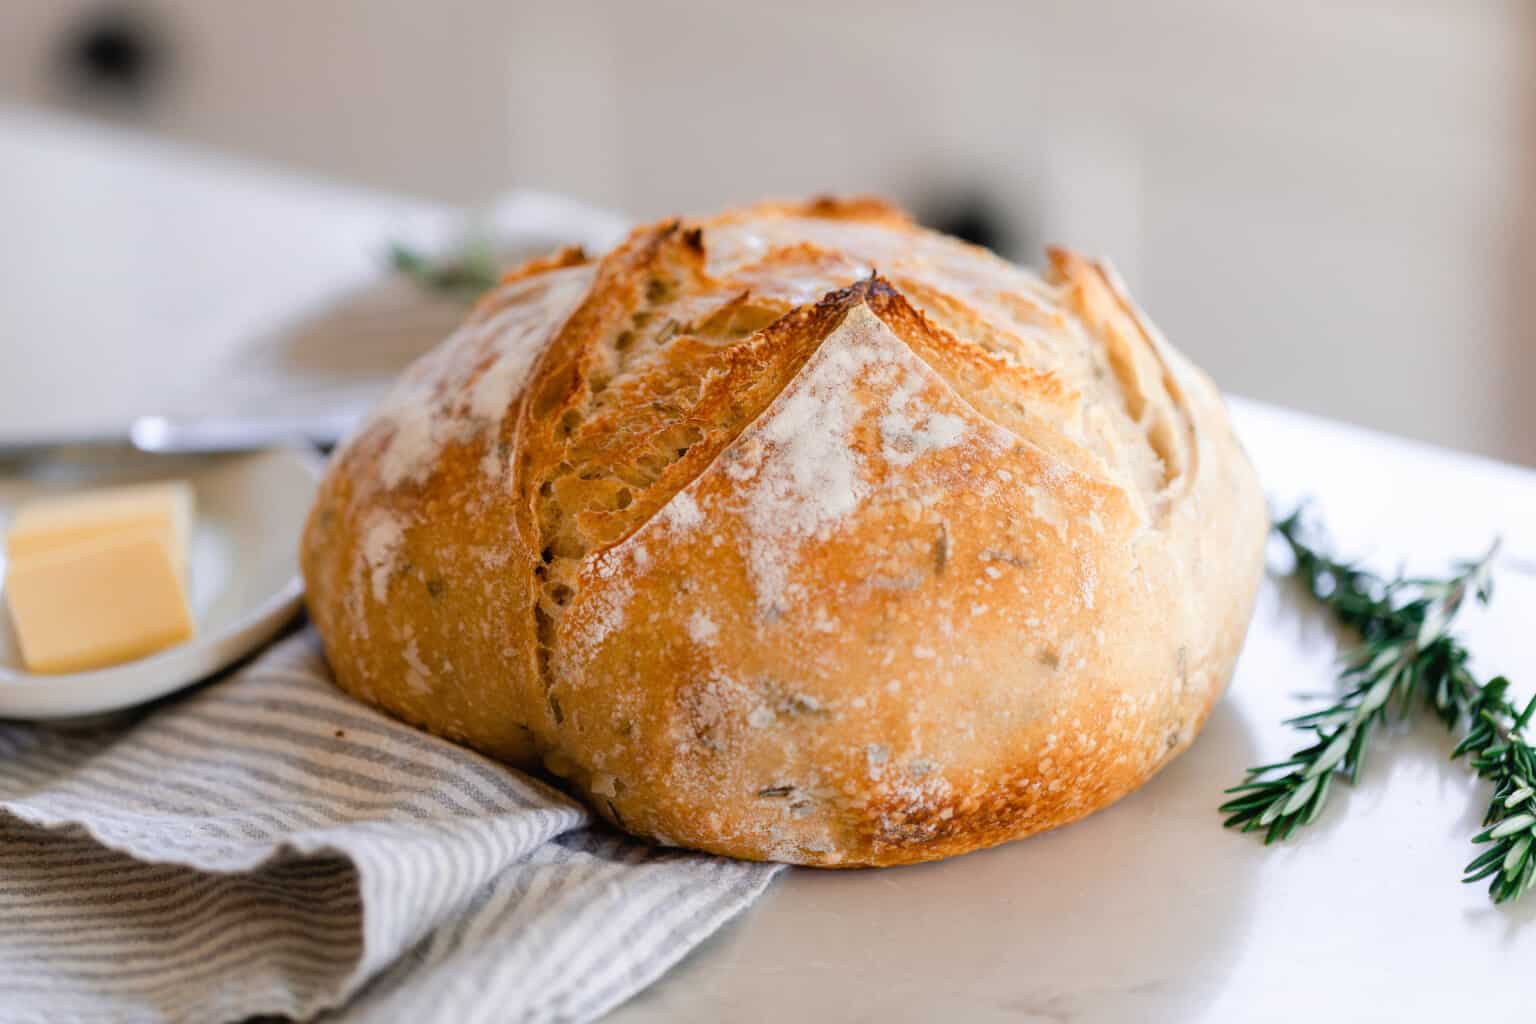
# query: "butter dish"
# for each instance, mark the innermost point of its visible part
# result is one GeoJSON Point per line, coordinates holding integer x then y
{"type": "Point", "coordinates": [244, 580]}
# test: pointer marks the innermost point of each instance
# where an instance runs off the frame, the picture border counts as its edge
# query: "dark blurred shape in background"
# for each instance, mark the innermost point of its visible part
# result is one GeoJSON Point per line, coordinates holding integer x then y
{"type": "Point", "coordinates": [115, 55]}
{"type": "Point", "coordinates": [978, 217]}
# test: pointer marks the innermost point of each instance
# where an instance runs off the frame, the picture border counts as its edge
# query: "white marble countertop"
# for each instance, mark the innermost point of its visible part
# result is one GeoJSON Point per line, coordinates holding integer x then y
{"type": "Point", "coordinates": [133, 273]}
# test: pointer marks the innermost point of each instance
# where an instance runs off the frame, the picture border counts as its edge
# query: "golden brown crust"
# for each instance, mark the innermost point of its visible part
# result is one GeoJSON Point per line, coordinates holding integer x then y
{"type": "Point", "coordinates": [799, 533]}
{"type": "Point", "coordinates": [568, 256]}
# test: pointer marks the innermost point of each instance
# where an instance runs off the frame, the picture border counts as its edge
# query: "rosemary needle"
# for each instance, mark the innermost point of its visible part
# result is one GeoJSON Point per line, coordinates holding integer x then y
{"type": "Point", "coordinates": [1407, 657]}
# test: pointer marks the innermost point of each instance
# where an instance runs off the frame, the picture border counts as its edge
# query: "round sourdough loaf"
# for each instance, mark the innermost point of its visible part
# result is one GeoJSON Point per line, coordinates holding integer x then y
{"type": "Point", "coordinates": [799, 533]}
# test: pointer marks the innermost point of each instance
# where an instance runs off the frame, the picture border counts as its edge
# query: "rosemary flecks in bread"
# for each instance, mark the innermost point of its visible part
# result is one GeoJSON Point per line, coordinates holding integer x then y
{"type": "Point", "coordinates": [799, 533]}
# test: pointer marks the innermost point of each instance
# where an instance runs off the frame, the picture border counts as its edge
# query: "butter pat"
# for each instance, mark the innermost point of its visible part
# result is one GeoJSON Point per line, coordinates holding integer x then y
{"type": "Point", "coordinates": [97, 602]}
{"type": "Point", "coordinates": [70, 520]}
{"type": "Point", "coordinates": [98, 577]}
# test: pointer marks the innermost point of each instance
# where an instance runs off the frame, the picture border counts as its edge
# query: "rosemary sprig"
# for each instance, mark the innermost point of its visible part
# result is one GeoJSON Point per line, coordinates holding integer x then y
{"type": "Point", "coordinates": [1500, 754]}
{"type": "Point", "coordinates": [469, 272]}
{"type": "Point", "coordinates": [1406, 655]}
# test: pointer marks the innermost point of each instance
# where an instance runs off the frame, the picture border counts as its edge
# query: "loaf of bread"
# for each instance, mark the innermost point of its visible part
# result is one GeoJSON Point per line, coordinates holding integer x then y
{"type": "Point", "coordinates": [799, 533]}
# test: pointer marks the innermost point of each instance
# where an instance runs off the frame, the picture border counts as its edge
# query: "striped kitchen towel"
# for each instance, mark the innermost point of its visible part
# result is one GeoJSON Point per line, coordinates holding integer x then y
{"type": "Point", "coordinates": [268, 846]}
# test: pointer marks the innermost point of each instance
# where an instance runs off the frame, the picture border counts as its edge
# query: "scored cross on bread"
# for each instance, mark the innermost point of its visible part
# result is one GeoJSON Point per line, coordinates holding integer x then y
{"type": "Point", "coordinates": [799, 533]}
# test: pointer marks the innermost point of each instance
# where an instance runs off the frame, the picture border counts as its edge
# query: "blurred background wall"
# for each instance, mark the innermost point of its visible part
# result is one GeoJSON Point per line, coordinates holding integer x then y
{"type": "Point", "coordinates": [1330, 205]}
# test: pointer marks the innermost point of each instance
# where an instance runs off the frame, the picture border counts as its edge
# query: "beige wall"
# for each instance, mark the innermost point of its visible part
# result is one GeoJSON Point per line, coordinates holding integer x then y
{"type": "Point", "coordinates": [1328, 204]}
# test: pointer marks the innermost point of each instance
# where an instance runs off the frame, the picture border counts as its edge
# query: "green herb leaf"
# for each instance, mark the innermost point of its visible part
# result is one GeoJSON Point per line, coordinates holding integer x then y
{"type": "Point", "coordinates": [468, 273]}
{"type": "Point", "coordinates": [1407, 654]}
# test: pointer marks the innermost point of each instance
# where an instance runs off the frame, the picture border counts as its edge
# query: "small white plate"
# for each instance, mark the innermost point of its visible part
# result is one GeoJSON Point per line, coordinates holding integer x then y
{"type": "Point", "coordinates": [245, 583]}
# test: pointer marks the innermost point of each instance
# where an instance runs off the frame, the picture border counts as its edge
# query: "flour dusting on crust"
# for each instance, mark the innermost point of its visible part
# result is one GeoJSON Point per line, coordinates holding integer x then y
{"type": "Point", "coordinates": [908, 432]}
{"type": "Point", "coordinates": [381, 541]}
{"type": "Point", "coordinates": [812, 477]}
{"type": "Point", "coordinates": [682, 512]}
{"type": "Point", "coordinates": [467, 385]}
{"type": "Point", "coordinates": [605, 610]}
{"type": "Point", "coordinates": [801, 468]}
{"type": "Point", "coordinates": [702, 628]}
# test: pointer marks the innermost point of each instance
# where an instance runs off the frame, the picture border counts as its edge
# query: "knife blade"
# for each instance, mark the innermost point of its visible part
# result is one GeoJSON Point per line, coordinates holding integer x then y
{"type": "Point", "coordinates": [163, 435]}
